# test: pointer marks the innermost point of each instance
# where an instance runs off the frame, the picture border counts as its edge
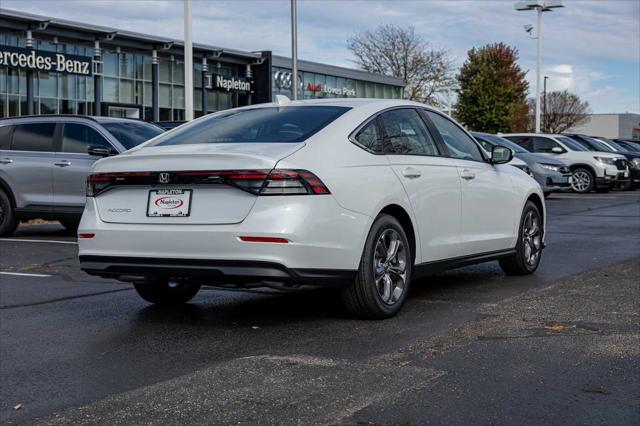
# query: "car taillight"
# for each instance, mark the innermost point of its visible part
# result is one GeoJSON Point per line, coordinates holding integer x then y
{"type": "Point", "coordinates": [98, 182]}
{"type": "Point", "coordinates": [257, 182]}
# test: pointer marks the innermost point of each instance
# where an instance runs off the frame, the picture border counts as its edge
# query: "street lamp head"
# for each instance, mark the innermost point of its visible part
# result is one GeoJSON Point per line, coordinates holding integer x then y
{"type": "Point", "coordinates": [544, 6]}
{"type": "Point", "coordinates": [528, 28]}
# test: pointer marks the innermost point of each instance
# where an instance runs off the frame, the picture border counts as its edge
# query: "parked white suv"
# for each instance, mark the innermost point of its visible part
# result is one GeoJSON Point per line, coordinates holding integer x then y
{"type": "Point", "coordinates": [591, 170]}
{"type": "Point", "coordinates": [364, 194]}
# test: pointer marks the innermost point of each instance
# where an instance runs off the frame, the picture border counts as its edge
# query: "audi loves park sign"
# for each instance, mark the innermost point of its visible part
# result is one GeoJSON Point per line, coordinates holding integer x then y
{"type": "Point", "coordinates": [40, 60]}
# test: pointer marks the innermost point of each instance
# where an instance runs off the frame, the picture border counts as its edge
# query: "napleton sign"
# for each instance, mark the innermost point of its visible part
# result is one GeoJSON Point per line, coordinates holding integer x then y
{"type": "Point", "coordinates": [39, 60]}
{"type": "Point", "coordinates": [229, 84]}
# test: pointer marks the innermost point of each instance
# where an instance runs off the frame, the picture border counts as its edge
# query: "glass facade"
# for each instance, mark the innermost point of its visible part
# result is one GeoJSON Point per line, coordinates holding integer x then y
{"type": "Point", "coordinates": [317, 86]}
{"type": "Point", "coordinates": [126, 81]}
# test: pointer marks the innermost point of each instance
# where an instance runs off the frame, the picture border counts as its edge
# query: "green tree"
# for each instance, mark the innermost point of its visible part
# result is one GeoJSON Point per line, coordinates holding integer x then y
{"type": "Point", "coordinates": [492, 94]}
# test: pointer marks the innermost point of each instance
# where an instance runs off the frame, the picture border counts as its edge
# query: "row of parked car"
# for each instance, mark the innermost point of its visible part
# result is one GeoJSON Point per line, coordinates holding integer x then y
{"type": "Point", "coordinates": [575, 162]}
{"type": "Point", "coordinates": [44, 161]}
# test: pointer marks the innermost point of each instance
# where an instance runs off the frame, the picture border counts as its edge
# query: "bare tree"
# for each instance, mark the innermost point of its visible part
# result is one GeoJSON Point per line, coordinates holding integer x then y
{"type": "Point", "coordinates": [400, 52]}
{"type": "Point", "coordinates": [562, 111]}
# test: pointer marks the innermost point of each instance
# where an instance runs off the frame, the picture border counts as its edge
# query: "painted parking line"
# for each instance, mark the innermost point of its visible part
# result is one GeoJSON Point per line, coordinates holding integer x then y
{"type": "Point", "coordinates": [22, 274]}
{"type": "Point", "coordinates": [20, 240]}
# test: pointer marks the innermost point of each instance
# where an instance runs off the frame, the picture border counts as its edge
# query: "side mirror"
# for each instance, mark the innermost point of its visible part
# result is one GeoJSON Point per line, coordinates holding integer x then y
{"type": "Point", "coordinates": [501, 154]}
{"type": "Point", "coordinates": [101, 151]}
{"type": "Point", "coordinates": [557, 150]}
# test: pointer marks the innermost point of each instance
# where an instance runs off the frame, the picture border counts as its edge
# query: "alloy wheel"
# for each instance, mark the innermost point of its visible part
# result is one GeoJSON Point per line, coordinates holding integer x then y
{"type": "Point", "coordinates": [390, 266]}
{"type": "Point", "coordinates": [581, 181]}
{"type": "Point", "coordinates": [531, 238]}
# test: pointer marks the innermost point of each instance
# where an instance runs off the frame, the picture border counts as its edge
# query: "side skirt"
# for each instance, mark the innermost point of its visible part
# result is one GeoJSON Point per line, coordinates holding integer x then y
{"type": "Point", "coordinates": [430, 268]}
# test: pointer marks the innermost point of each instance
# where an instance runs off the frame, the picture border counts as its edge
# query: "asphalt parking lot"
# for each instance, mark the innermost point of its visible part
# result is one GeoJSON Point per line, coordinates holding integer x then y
{"type": "Point", "coordinates": [470, 346]}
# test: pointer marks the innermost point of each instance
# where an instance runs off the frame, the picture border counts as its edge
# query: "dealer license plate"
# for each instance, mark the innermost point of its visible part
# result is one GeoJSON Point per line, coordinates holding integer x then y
{"type": "Point", "coordinates": [169, 203]}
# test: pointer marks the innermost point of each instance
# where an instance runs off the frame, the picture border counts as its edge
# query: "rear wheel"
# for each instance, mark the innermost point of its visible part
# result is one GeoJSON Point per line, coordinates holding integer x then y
{"type": "Point", "coordinates": [167, 292]}
{"type": "Point", "coordinates": [583, 180]}
{"type": "Point", "coordinates": [529, 247]}
{"type": "Point", "coordinates": [384, 274]}
{"type": "Point", "coordinates": [8, 220]}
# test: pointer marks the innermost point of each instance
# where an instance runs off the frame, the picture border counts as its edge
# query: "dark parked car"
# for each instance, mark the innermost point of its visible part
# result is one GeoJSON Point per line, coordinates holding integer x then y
{"type": "Point", "coordinates": [552, 175]}
{"type": "Point", "coordinates": [631, 144]}
{"type": "Point", "coordinates": [633, 158]}
{"type": "Point", "coordinates": [44, 162]}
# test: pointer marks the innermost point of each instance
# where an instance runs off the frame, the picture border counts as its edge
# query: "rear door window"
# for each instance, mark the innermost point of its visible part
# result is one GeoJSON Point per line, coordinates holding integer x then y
{"type": "Point", "coordinates": [545, 145]}
{"type": "Point", "coordinates": [524, 141]}
{"type": "Point", "coordinates": [406, 134]}
{"type": "Point", "coordinates": [33, 137]}
{"type": "Point", "coordinates": [77, 138]}
{"type": "Point", "coordinates": [369, 137]}
{"type": "Point", "coordinates": [5, 137]}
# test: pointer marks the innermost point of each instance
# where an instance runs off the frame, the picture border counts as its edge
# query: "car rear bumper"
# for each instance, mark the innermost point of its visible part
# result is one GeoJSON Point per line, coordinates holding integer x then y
{"type": "Point", "coordinates": [208, 271]}
{"type": "Point", "coordinates": [324, 243]}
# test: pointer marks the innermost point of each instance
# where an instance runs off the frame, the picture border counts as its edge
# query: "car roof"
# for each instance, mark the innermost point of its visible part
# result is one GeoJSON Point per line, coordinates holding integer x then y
{"type": "Point", "coordinates": [62, 117]}
{"type": "Point", "coordinates": [531, 134]}
{"type": "Point", "coordinates": [342, 102]}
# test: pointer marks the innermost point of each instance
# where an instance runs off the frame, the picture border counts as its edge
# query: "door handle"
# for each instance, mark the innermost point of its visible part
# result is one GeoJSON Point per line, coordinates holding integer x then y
{"type": "Point", "coordinates": [6, 161]}
{"type": "Point", "coordinates": [467, 174]}
{"type": "Point", "coordinates": [411, 173]}
{"type": "Point", "coordinates": [63, 163]}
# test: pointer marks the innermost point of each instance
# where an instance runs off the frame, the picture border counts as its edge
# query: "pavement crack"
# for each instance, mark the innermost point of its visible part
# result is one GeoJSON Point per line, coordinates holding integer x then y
{"type": "Point", "coordinates": [61, 299]}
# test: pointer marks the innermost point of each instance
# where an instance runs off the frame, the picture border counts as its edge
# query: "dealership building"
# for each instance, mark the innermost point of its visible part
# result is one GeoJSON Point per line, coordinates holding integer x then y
{"type": "Point", "coordinates": [55, 66]}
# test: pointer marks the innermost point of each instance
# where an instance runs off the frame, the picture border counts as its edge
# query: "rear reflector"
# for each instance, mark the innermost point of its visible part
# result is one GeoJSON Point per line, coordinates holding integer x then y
{"type": "Point", "coordinates": [263, 240]}
{"type": "Point", "coordinates": [257, 182]}
{"type": "Point", "coordinates": [86, 235]}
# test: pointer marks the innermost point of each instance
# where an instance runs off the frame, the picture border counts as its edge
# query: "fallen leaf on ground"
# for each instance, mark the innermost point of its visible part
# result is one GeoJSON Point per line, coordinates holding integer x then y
{"type": "Point", "coordinates": [554, 327]}
{"type": "Point", "coordinates": [17, 407]}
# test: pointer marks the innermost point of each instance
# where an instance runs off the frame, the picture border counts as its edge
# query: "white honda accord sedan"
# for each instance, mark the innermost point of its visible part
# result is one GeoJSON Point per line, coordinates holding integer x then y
{"type": "Point", "coordinates": [363, 194]}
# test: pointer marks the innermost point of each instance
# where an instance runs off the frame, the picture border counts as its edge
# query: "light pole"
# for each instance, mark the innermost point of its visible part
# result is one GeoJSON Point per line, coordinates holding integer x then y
{"type": "Point", "coordinates": [188, 63]}
{"type": "Point", "coordinates": [539, 6]}
{"type": "Point", "coordinates": [544, 102]}
{"type": "Point", "coordinates": [294, 49]}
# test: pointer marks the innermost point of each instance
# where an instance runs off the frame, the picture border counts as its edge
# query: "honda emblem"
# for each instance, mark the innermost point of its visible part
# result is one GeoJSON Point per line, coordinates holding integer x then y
{"type": "Point", "coordinates": [164, 177]}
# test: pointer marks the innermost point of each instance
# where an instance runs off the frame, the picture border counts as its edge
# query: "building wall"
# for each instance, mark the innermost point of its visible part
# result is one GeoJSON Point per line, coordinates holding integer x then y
{"type": "Point", "coordinates": [630, 126]}
{"type": "Point", "coordinates": [123, 74]}
{"type": "Point", "coordinates": [318, 86]}
{"type": "Point", "coordinates": [609, 125]}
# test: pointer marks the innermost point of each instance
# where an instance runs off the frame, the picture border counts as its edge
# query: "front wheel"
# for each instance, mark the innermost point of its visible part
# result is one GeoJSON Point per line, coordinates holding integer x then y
{"type": "Point", "coordinates": [583, 180]}
{"type": "Point", "coordinates": [384, 274]}
{"type": "Point", "coordinates": [166, 292]}
{"type": "Point", "coordinates": [529, 246]}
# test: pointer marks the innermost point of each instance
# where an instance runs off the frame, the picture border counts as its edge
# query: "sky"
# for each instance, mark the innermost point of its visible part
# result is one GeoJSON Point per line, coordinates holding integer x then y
{"type": "Point", "coordinates": [590, 47]}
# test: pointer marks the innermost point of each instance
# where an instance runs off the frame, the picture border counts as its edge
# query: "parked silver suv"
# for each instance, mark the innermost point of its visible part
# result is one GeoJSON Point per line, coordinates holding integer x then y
{"type": "Point", "coordinates": [44, 161]}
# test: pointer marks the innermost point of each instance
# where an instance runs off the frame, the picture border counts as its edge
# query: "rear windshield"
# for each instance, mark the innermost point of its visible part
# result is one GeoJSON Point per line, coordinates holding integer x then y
{"type": "Point", "coordinates": [270, 124]}
{"type": "Point", "coordinates": [131, 134]}
{"type": "Point", "coordinates": [571, 144]}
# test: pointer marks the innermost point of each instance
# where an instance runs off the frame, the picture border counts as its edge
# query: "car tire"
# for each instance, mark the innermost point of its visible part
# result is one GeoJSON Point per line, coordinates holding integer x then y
{"type": "Point", "coordinates": [384, 274]}
{"type": "Point", "coordinates": [71, 225]}
{"type": "Point", "coordinates": [166, 292]}
{"type": "Point", "coordinates": [583, 180]}
{"type": "Point", "coordinates": [8, 220]}
{"type": "Point", "coordinates": [529, 246]}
